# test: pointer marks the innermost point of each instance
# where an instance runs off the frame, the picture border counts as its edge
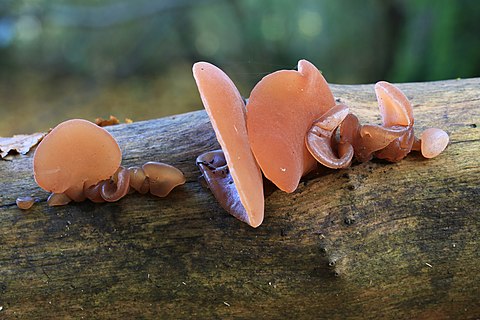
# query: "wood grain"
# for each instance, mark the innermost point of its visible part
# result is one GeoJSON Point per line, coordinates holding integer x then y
{"type": "Point", "coordinates": [377, 240]}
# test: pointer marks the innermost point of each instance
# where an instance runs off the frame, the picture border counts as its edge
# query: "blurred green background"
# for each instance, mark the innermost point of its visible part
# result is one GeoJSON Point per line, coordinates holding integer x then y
{"type": "Point", "coordinates": [62, 59]}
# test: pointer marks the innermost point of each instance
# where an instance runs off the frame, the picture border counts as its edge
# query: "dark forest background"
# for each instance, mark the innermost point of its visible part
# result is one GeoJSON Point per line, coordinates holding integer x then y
{"type": "Point", "coordinates": [62, 59]}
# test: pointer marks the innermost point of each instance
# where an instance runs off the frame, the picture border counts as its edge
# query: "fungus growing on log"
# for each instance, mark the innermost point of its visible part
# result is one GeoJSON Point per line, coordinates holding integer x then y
{"type": "Point", "coordinates": [395, 138]}
{"type": "Point", "coordinates": [281, 110]}
{"type": "Point", "coordinates": [292, 121]}
{"type": "Point", "coordinates": [79, 160]}
{"type": "Point", "coordinates": [226, 110]}
{"type": "Point", "coordinates": [432, 142]}
{"type": "Point", "coordinates": [25, 203]}
{"type": "Point", "coordinates": [320, 138]}
{"type": "Point", "coordinates": [75, 155]}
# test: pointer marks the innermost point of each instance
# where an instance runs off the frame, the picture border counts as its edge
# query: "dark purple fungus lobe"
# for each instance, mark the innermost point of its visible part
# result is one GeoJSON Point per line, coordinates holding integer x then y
{"type": "Point", "coordinates": [58, 199]}
{"type": "Point", "coordinates": [214, 169]}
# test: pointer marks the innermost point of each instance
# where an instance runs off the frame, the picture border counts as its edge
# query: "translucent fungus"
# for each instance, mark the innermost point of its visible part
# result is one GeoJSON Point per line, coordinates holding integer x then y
{"type": "Point", "coordinates": [116, 187]}
{"type": "Point", "coordinates": [58, 199]}
{"type": "Point", "coordinates": [25, 203]}
{"type": "Point", "coordinates": [320, 139]}
{"type": "Point", "coordinates": [433, 142]}
{"type": "Point", "coordinates": [226, 110]}
{"type": "Point", "coordinates": [214, 169]}
{"type": "Point", "coordinates": [281, 110]}
{"type": "Point", "coordinates": [393, 139]}
{"type": "Point", "coordinates": [162, 178]}
{"type": "Point", "coordinates": [75, 155]}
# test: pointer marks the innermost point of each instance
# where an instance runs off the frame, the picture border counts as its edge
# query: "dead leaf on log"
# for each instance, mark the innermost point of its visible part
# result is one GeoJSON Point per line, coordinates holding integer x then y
{"type": "Point", "coordinates": [110, 121]}
{"type": "Point", "coordinates": [21, 143]}
{"type": "Point", "coordinates": [107, 122]}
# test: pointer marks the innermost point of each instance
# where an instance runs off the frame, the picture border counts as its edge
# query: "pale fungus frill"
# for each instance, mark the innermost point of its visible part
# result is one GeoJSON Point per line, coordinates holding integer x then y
{"type": "Point", "coordinates": [432, 142]}
{"type": "Point", "coordinates": [162, 178]}
{"type": "Point", "coordinates": [25, 203]}
{"type": "Point", "coordinates": [226, 110]}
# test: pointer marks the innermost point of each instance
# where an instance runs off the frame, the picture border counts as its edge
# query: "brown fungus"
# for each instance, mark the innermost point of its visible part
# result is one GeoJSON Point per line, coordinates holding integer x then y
{"type": "Point", "coordinates": [138, 180]}
{"type": "Point", "coordinates": [79, 160]}
{"type": "Point", "coordinates": [367, 139]}
{"type": "Point", "coordinates": [58, 199]}
{"type": "Point", "coordinates": [162, 178]}
{"type": "Point", "coordinates": [393, 139]}
{"type": "Point", "coordinates": [75, 155]}
{"type": "Point", "coordinates": [320, 139]}
{"type": "Point", "coordinates": [226, 110]}
{"type": "Point", "coordinates": [116, 187]}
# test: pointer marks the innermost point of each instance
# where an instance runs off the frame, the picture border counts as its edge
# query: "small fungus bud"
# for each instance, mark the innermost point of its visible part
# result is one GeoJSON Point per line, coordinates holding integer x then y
{"type": "Point", "coordinates": [25, 203]}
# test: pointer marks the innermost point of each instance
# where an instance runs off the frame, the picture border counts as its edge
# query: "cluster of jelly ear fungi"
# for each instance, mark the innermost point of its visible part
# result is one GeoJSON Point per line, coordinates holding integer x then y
{"type": "Point", "coordinates": [291, 123]}
{"type": "Point", "coordinates": [79, 160]}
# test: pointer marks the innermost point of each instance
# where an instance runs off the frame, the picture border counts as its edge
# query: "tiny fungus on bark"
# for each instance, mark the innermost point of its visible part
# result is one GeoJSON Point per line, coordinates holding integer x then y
{"type": "Point", "coordinates": [25, 203]}
{"type": "Point", "coordinates": [290, 123]}
{"type": "Point", "coordinates": [79, 160]}
{"type": "Point", "coordinates": [226, 110]}
{"type": "Point", "coordinates": [432, 142]}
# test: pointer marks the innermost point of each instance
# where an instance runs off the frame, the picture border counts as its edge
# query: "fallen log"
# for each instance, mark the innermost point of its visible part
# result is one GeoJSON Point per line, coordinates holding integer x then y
{"type": "Point", "coordinates": [376, 240]}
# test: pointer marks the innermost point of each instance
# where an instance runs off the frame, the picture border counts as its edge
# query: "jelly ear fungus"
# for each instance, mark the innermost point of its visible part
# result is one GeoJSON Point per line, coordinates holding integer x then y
{"type": "Point", "coordinates": [395, 138]}
{"type": "Point", "coordinates": [239, 186]}
{"type": "Point", "coordinates": [292, 122]}
{"type": "Point", "coordinates": [79, 160]}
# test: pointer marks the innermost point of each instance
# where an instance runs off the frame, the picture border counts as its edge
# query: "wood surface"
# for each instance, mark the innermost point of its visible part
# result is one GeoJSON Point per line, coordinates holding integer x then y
{"type": "Point", "coordinates": [377, 240]}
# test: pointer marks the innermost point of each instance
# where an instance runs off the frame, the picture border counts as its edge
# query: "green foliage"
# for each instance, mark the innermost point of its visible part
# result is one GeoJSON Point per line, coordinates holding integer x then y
{"type": "Point", "coordinates": [52, 52]}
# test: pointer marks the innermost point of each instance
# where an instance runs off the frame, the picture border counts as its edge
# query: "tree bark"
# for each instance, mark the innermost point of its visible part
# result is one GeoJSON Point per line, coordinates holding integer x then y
{"type": "Point", "coordinates": [376, 240]}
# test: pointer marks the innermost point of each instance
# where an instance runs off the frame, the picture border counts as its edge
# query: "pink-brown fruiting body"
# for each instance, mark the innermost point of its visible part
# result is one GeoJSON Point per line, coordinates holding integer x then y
{"type": "Point", "coordinates": [433, 142]}
{"type": "Point", "coordinates": [75, 155]}
{"type": "Point", "coordinates": [226, 110]}
{"type": "Point", "coordinates": [280, 111]}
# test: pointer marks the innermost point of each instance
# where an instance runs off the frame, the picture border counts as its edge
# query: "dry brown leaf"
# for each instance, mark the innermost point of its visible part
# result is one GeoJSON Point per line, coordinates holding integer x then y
{"type": "Point", "coordinates": [21, 143]}
{"type": "Point", "coordinates": [107, 122]}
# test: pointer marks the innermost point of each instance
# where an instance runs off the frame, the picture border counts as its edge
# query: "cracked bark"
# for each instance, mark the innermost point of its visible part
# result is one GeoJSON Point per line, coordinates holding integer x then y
{"type": "Point", "coordinates": [376, 240]}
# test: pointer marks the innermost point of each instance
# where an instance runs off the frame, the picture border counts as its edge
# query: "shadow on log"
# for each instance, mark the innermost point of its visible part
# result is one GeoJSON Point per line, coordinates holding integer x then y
{"type": "Point", "coordinates": [376, 240]}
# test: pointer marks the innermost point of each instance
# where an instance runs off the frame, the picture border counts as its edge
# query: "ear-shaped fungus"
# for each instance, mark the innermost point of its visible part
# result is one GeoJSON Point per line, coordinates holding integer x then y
{"type": "Point", "coordinates": [162, 178]}
{"type": "Point", "coordinates": [396, 110]}
{"type": "Point", "coordinates": [79, 160]}
{"type": "Point", "coordinates": [214, 169]}
{"type": "Point", "coordinates": [226, 110]}
{"type": "Point", "coordinates": [281, 110]}
{"type": "Point", "coordinates": [75, 155]}
{"type": "Point", "coordinates": [432, 142]}
{"type": "Point", "coordinates": [393, 138]}
{"type": "Point", "coordinates": [320, 139]}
